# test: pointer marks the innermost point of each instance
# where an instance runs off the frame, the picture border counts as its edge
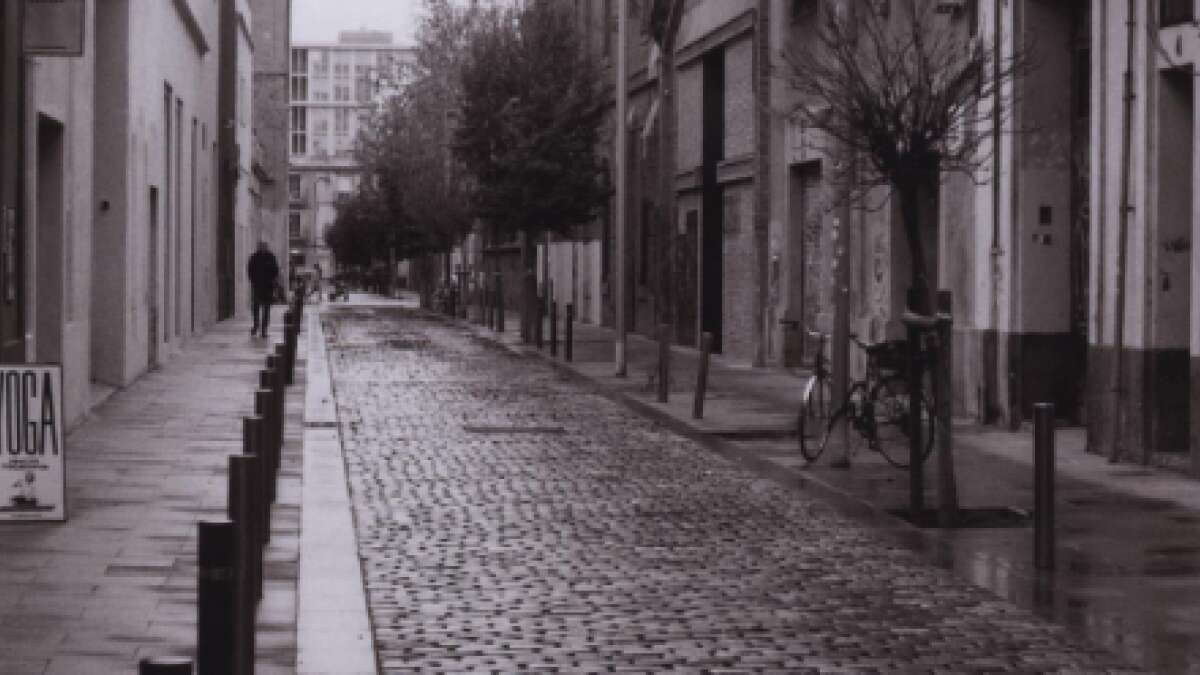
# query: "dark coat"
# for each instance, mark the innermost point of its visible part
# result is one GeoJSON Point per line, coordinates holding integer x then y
{"type": "Point", "coordinates": [263, 271]}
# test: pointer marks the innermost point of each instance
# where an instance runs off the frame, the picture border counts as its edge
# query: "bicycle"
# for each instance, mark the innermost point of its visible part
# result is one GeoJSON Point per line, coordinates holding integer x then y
{"type": "Point", "coordinates": [877, 409]}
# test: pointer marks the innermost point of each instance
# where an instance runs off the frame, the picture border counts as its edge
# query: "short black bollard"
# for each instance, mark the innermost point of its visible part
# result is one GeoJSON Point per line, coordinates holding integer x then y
{"type": "Point", "coordinates": [252, 445]}
{"type": "Point", "coordinates": [165, 665]}
{"type": "Point", "coordinates": [499, 303]}
{"type": "Point", "coordinates": [1043, 486]}
{"type": "Point", "coordinates": [553, 329]}
{"type": "Point", "coordinates": [539, 319]}
{"type": "Point", "coordinates": [215, 583]}
{"type": "Point", "coordinates": [263, 409]}
{"type": "Point", "coordinates": [243, 511]}
{"type": "Point", "coordinates": [569, 341]}
{"type": "Point", "coordinates": [706, 341]}
{"type": "Point", "coordinates": [664, 362]}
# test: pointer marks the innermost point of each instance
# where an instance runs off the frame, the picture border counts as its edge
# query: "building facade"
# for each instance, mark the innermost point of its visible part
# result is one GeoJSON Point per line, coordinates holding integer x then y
{"type": "Point", "coordinates": [733, 226]}
{"type": "Point", "coordinates": [110, 183]}
{"type": "Point", "coordinates": [332, 91]}
{"type": "Point", "coordinates": [271, 31]}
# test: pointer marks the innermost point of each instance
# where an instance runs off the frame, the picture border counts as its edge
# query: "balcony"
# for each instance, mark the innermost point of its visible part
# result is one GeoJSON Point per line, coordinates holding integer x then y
{"type": "Point", "coordinates": [1175, 12]}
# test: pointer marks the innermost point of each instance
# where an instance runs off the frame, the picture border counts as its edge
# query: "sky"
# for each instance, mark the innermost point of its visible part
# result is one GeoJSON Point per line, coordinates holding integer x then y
{"type": "Point", "coordinates": [320, 20]}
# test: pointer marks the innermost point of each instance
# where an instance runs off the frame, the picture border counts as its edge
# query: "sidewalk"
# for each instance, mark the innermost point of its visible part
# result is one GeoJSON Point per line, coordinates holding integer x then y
{"type": "Point", "coordinates": [116, 582]}
{"type": "Point", "coordinates": [1128, 551]}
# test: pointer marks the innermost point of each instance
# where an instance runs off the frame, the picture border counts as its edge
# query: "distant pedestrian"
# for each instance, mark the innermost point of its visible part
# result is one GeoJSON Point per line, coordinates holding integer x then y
{"type": "Point", "coordinates": [263, 270]}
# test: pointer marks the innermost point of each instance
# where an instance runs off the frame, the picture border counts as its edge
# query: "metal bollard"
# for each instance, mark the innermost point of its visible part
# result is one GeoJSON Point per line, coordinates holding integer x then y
{"type": "Point", "coordinates": [706, 341]}
{"type": "Point", "coordinates": [499, 303]}
{"type": "Point", "coordinates": [553, 329]}
{"type": "Point", "coordinates": [569, 341]}
{"type": "Point", "coordinates": [252, 445]}
{"type": "Point", "coordinates": [1043, 486]}
{"type": "Point", "coordinates": [266, 443]}
{"type": "Point", "coordinates": [243, 511]}
{"type": "Point", "coordinates": [539, 319]}
{"type": "Point", "coordinates": [664, 362]}
{"type": "Point", "coordinates": [215, 583]}
{"type": "Point", "coordinates": [169, 665]}
{"type": "Point", "coordinates": [916, 437]}
{"type": "Point", "coordinates": [281, 393]}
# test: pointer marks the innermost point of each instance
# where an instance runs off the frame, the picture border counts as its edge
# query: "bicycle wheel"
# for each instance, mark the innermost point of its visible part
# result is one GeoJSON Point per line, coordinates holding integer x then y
{"type": "Point", "coordinates": [893, 414]}
{"type": "Point", "coordinates": [846, 431]}
{"type": "Point", "coordinates": [813, 418]}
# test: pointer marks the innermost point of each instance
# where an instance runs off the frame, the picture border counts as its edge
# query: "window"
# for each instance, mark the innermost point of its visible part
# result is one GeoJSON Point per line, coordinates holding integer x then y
{"type": "Point", "coordinates": [294, 186]}
{"type": "Point", "coordinates": [321, 127]}
{"type": "Point", "coordinates": [341, 122]}
{"type": "Point", "coordinates": [320, 64]}
{"type": "Point", "coordinates": [300, 61]}
{"type": "Point", "coordinates": [362, 90]}
{"type": "Point", "coordinates": [299, 131]}
{"type": "Point", "coordinates": [294, 224]}
{"type": "Point", "coordinates": [341, 71]}
{"type": "Point", "coordinates": [299, 88]}
{"type": "Point", "coordinates": [341, 92]}
{"type": "Point", "coordinates": [1174, 12]}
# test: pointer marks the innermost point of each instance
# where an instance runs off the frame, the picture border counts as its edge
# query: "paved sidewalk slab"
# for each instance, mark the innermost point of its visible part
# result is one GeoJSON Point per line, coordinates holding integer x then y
{"type": "Point", "coordinates": [117, 581]}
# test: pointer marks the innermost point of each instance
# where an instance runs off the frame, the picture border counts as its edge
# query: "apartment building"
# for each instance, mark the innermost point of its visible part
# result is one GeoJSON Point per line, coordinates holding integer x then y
{"type": "Point", "coordinates": [333, 89]}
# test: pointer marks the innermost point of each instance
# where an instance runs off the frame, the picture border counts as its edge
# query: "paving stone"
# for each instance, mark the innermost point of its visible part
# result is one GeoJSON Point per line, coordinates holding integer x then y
{"type": "Point", "coordinates": [507, 514]}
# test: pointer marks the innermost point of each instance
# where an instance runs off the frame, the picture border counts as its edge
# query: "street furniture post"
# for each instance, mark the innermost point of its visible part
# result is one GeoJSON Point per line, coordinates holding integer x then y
{"type": "Point", "coordinates": [243, 512]}
{"type": "Point", "coordinates": [266, 444]}
{"type": "Point", "coordinates": [913, 320]}
{"type": "Point", "coordinates": [499, 303]}
{"type": "Point", "coordinates": [943, 400]}
{"type": "Point", "coordinates": [252, 445]}
{"type": "Point", "coordinates": [706, 341]}
{"type": "Point", "coordinates": [1043, 486]}
{"type": "Point", "coordinates": [553, 328]}
{"type": "Point", "coordinates": [664, 362]}
{"type": "Point", "coordinates": [215, 598]}
{"type": "Point", "coordinates": [569, 343]}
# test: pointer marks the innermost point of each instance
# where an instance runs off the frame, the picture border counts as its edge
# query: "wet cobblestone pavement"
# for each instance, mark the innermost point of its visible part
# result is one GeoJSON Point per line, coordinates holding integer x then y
{"type": "Point", "coordinates": [510, 520]}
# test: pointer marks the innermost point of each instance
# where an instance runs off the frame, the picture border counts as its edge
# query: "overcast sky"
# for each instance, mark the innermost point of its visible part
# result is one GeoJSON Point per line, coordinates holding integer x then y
{"type": "Point", "coordinates": [320, 20]}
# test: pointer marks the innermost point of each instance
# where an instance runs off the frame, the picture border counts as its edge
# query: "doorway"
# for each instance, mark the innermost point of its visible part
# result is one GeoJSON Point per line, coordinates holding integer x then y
{"type": "Point", "coordinates": [51, 270]}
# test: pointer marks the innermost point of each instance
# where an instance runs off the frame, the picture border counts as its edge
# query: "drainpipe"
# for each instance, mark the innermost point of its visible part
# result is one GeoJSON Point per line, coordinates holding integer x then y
{"type": "Point", "coordinates": [622, 193]}
{"type": "Point", "coordinates": [1123, 233]}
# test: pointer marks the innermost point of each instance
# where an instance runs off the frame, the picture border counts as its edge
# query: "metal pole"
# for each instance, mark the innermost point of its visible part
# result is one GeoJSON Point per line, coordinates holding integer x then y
{"type": "Point", "coordinates": [266, 442]}
{"type": "Point", "coordinates": [215, 584]}
{"type": "Point", "coordinates": [1043, 486]}
{"type": "Point", "coordinates": [499, 302]}
{"type": "Point", "coordinates": [620, 198]}
{"type": "Point", "coordinates": [252, 445]}
{"type": "Point", "coordinates": [947, 485]}
{"type": "Point", "coordinates": [243, 511]}
{"type": "Point", "coordinates": [664, 362]}
{"type": "Point", "coordinates": [553, 328]}
{"type": "Point", "coordinates": [569, 343]}
{"type": "Point", "coordinates": [916, 476]}
{"type": "Point", "coordinates": [702, 376]}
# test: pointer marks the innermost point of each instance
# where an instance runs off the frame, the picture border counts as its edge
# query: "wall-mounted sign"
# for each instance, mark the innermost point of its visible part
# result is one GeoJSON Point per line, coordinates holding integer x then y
{"type": "Point", "coordinates": [32, 470]}
{"type": "Point", "coordinates": [54, 27]}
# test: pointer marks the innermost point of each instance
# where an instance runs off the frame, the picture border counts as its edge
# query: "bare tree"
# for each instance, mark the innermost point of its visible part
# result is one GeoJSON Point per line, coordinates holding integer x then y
{"type": "Point", "coordinates": [897, 88]}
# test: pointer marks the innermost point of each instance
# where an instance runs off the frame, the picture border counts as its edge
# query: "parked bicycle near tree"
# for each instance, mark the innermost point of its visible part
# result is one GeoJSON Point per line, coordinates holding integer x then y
{"type": "Point", "coordinates": [876, 408]}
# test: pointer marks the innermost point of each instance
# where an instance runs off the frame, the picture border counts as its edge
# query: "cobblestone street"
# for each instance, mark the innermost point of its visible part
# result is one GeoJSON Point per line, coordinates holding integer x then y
{"type": "Point", "coordinates": [512, 519]}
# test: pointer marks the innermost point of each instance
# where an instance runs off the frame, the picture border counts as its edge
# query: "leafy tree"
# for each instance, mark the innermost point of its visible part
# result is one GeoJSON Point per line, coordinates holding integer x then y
{"type": "Point", "coordinates": [532, 108]}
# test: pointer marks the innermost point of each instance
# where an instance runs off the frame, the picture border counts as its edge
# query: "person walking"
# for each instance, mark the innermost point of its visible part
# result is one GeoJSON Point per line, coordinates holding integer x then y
{"type": "Point", "coordinates": [263, 270]}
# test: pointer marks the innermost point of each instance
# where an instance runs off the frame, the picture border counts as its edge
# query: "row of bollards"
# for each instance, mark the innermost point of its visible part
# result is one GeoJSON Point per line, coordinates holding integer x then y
{"type": "Point", "coordinates": [231, 550]}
